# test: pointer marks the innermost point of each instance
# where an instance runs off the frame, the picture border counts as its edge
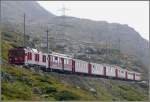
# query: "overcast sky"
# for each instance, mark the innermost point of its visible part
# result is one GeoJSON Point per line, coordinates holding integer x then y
{"type": "Point", "coordinates": [133, 13]}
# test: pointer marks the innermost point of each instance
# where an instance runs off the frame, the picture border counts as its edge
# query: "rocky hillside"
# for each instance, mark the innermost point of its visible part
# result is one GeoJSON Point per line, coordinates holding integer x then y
{"type": "Point", "coordinates": [20, 83]}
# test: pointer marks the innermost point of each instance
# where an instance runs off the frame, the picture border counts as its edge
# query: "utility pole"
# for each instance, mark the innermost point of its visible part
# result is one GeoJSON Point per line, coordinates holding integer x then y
{"type": "Point", "coordinates": [106, 48]}
{"type": "Point", "coordinates": [47, 31]}
{"type": "Point", "coordinates": [119, 49]}
{"type": "Point", "coordinates": [0, 11]}
{"type": "Point", "coordinates": [109, 43]}
{"type": "Point", "coordinates": [0, 24]}
{"type": "Point", "coordinates": [119, 45]}
{"type": "Point", "coordinates": [24, 31]}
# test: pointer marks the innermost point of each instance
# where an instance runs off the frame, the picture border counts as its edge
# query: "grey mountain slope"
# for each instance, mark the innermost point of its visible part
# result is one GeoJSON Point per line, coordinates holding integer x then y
{"type": "Point", "coordinates": [14, 10]}
{"type": "Point", "coordinates": [73, 32]}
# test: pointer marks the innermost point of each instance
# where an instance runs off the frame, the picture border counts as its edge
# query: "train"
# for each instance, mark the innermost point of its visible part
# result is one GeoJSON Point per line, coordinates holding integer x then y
{"type": "Point", "coordinates": [65, 63]}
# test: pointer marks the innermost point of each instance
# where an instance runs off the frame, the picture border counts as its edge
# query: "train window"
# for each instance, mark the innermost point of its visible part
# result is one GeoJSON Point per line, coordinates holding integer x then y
{"type": "Point", "coordinates": [44, 58]}
{"type": "Point", "coordinates": [36, 57]}
{"type": "Point", "coordinates": [64, 61]}
{"type": "Point", "coordinates": [129, 73]}
{"type": "Point", "coordinates": [60, 60]}
{"type": "Point", "coordinates": [17, 53]}
{"type": "Point", "coordinates": [53, 58]}
{"type": "Point", "coordinates": [30, 56]}
{"type": "Point", "coordinates": [67, 62]}
{"type": "Point", "coordinates": [56, 58]}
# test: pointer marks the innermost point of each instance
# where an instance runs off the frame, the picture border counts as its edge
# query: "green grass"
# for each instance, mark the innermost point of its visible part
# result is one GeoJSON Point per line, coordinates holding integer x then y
{"type": "Point", "coordinates": [18, 88]}
{"type": "Point", "coordinates": [132, 94]}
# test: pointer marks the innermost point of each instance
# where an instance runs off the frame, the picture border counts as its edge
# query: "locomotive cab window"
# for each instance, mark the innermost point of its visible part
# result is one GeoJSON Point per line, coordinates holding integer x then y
{"type": "Point", "coordinates": [17, 53]}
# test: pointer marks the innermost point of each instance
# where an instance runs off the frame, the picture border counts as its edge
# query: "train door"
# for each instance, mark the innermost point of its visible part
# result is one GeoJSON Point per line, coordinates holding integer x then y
{"type": "Point", "coordinates": [89, 68]}
{"type": "Point", "coordinates": [104, 71]}
{"type": "Point", "coordinates": [73, 66]}
{"type": "Point", "coordinates": [126, 75]}
{"type": "Point", "coordinates": [49, 61]}
{"type": "Point", "coordinates": [133, 76]}
{"type": "Point", "coordinates": [62, 60]}
{"type": "Point", "coordinates": [116, 71]}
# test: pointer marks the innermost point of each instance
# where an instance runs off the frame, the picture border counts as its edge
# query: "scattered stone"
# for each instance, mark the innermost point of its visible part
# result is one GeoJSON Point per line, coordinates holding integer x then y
{"type": "Point", "coordinates": [36, 90]}
{"type": "Point", "coordinates": [93, 90]}
{"type": "Point", "coordinates": [77, 87]}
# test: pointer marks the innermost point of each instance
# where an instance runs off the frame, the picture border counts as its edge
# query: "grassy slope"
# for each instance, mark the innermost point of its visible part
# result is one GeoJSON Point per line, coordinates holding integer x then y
{"type": "Point", "coordinates": [24, 84]}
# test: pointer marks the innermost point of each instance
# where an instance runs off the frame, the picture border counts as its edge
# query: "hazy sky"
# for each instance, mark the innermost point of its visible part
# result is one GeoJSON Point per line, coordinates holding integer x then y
{"type": "Point", "coordinates": [133, 13]}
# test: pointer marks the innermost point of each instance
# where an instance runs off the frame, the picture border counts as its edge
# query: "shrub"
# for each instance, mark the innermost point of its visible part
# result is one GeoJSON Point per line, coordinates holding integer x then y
{"type": "Point", "coordinates": [16, 90]}
{"type": "Point", "coordinates": [66, 95]}
{"type": "Point", "coordinates": [50, 89]}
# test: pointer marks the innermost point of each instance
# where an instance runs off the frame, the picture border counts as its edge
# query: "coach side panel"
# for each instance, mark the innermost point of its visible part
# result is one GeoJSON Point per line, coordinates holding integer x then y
{"type": "Point", "coordinates": [68, 64]}
{"type": "Point", "coordinates": [81, 66]}
{"type": "Point", "coordinates": [55, 62]}
{"type": "Point", "coordinates": [110, 71]}
{"type": "Point", "coordinates": [97, 69]}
